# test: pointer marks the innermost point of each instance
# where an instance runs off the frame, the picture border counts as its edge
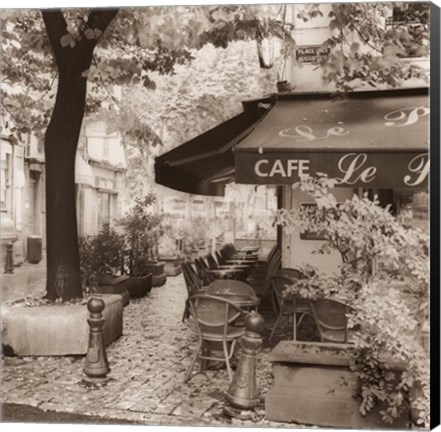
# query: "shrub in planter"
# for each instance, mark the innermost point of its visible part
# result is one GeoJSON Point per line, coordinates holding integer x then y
{"type": "Point", "coordinates": [143, 229]}
{"type": "Point", "coordinates": [314, 384]}
{"type": "Point", "coordinates": [378, 256]}
{"type": "Point", "coordinates": [100, 263]}
{"type": "Point", "coordinates": [195, 233]}
{"type": "Point", "coordinates": [169, 252]}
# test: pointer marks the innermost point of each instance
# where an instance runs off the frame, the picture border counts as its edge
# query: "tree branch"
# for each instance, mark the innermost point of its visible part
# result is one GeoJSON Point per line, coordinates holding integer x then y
{"type": "Point", "coordinates": [101, 18]}
{"type": "Point", "coordinates": [56, 27]}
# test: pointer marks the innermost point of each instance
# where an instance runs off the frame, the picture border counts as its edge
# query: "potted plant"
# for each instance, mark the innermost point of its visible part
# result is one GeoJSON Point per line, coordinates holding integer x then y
{"type": "Point", "coordinates": [384, 280]}
{"type": "Point", "coordinates": [169, 252]}
{"type": "Point", "coordinates": [195, 235]}
{"type": "Point", "coordinates": [100, 263]}
{"type": "Point", "coordinates": [143, 229]}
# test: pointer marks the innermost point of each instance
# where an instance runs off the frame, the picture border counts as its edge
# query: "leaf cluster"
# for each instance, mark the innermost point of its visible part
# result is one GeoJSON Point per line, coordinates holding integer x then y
{"type": "Point", "coordinates": [384, 279]}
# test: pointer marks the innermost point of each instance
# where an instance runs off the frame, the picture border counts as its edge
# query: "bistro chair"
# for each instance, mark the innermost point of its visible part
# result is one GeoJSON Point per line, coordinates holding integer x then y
{"type": "Point", "coordinates": [262, 286]}
{"type": "Point", "coordinates": [214, 319]}
{"type": "Point", "coordinates": [331, 320]}
{"type": "Point", "coordinates": [260, 268]}
{"type": "Point", "coordinates": [202, 271]}
{"type": "Point", "coordinates": [217, 270]}
{"type": "Point", "coordinates": [288, 306]}
{"type": "Point", "coordinates": [193, 284]}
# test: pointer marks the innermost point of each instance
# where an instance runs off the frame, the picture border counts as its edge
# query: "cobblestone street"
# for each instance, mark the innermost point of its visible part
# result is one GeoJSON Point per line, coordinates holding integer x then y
{"type": "Point", "coordinates": [148, 364]}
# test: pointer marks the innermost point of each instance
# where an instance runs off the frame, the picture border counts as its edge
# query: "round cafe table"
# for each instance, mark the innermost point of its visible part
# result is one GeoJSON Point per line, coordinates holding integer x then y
{"type": "Point", "coordinates": [227, 273]}
{"type": "Point", "coordinates": [234, 291]}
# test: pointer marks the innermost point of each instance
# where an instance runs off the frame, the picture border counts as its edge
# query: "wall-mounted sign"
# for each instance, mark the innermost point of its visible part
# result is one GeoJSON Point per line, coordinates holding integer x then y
{"type": "Point", "coordinates": [353, 169]}
{"type": "Point", "coordinates": [311, 53]}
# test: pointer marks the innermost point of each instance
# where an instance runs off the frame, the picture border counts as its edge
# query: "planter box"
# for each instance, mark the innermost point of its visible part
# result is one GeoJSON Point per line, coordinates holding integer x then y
{"type": "Point", "coordinates": [139, 286]}
{"type": "Point", "coordinates": [158, 274]}
{"type": "Point", "coordinates": [159, 280]}
{"type": "Point", "coordinates": [114, 286]}
{"type": "Point", "coordinates": [318, 389]}
{"type": "Point", "coordinates": [172, 266]}
{"type": "Point", "coordinates": [156, 268]}
{"type": "Point", "coordinates": [58, 329]}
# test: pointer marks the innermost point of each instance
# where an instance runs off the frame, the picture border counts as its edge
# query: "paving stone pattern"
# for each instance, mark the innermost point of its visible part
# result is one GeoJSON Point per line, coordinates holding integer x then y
{"type": "Point", "coordinates": [148, 365]}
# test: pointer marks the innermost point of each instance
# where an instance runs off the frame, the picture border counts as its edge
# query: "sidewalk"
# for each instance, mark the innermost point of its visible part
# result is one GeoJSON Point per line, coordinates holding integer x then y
{"type": "Point", "coordinates": [148, 365]}
{"type": "Point", "coordinates": [27, 279]}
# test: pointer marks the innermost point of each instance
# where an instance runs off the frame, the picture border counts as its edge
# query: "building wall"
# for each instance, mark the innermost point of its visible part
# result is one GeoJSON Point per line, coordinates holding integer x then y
{"type": "Point", "coordinates": [13, 194]}
{"type": "Point", "coordinates": [411, 208]}
{"type": "Point", "coordinates": [101, 188]}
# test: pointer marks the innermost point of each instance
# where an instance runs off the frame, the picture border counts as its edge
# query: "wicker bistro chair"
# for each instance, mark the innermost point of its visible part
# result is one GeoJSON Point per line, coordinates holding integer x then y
{"type": "Point", "coordinates": [262, 285]}
{"type": "Point", "coordinates": [330, 320]}
{"type": "Point", "coordinates": [214, 318]}
{"type": "Point", "coordinates": [288, 306]}
{"type": "Point", "coordinates": [193, 284]}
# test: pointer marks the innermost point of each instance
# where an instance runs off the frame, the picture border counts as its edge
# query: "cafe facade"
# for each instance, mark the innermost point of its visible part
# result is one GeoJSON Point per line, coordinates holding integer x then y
{"type": "Point", "coordinates": [374, 142]}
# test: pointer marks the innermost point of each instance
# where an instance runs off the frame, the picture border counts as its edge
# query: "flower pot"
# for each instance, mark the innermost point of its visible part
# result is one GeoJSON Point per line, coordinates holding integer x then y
{"type": "Point", "coordinates": [139, 286]}
{"type": "Point", "coordinates": [314, 385]}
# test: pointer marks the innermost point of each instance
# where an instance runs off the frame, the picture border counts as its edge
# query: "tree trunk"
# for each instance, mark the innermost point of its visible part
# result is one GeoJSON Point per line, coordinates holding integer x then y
{"type": "Point", "coordinates": [60, 146]}
{"type": "Point", "coordinates": [63, 267]}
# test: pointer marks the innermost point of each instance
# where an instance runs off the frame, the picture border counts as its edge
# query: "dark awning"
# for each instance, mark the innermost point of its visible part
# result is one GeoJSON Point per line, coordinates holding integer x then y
{"type": "Point", "coordinates": [367, 139]}
{"type": "Point", "coordinates": [370, 139]}
{"type": "Point", "coordinates": [205, 164]}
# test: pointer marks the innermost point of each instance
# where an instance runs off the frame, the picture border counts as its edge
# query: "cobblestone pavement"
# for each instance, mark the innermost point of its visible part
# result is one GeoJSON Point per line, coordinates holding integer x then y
{"type": "Point", "coordinates": [148, 364]}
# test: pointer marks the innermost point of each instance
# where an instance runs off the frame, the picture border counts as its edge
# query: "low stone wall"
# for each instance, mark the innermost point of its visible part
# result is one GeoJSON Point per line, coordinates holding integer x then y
{"type": "Point", "coordinates": [52, 330]}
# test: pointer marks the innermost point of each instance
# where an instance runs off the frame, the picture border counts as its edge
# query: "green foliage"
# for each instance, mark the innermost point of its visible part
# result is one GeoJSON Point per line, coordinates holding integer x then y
{"type": "Point", "coordinates": [195, 233]}
{"type": "Point", "coordinates": [100, 255]}
{"type": "Point", "coordinates": [365, 50]}
{"type": "Point", "coordinates": [384, 278]}
{"type": "Point", "coordinates": [143, 229]}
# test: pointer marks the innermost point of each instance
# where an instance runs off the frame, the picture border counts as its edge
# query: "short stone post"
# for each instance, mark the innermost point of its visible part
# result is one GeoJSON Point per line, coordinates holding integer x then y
{"type": "Point", "coordinates": [243, 392]}
{"type": "Point", "coordinates": [96, 366]}
{"type": "Point", "coordinates": [9, 259]}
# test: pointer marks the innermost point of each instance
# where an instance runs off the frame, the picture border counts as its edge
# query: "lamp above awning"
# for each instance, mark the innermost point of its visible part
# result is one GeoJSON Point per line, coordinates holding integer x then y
{"type": "Point", "coordinates": [367, 139]}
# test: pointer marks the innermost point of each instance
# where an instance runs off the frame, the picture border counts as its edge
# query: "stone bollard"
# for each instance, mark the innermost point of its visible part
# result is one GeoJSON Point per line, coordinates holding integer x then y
{"type": "Point", "coordinates": [243, 392]}
{"type": "Point", "coordinates": [9, 259]}
{"type": "Point", "coordinates": [96, 366]}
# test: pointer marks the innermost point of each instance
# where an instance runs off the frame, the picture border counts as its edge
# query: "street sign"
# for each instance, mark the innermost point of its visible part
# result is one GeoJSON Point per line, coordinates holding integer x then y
{"type": "Point", "coordinates": [311, 53]}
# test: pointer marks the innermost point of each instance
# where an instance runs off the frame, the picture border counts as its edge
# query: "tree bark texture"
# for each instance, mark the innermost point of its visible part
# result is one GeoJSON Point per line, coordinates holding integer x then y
{"type": "Point", "coordinates": [61, 141]}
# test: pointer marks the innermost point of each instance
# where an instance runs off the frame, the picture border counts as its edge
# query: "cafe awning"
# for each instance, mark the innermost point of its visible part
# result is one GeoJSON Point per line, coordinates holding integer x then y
{"type": "Point", "coordinates": [367, 139]}
{"type": "Point", "coordinates": [205, 164]}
